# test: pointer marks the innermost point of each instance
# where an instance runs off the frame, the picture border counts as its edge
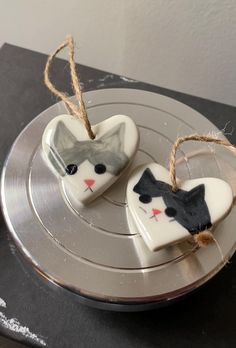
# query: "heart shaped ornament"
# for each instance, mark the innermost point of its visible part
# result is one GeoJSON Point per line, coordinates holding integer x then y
{"type": "Point", "coordinates": [164, 217]}
{"type": "Point", "coordinates": [88, 167]}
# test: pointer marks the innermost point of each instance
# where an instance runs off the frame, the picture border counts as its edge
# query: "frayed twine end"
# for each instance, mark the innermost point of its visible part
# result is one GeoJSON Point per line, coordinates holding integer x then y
{"type": "Point", "coordinates": [203, 239]}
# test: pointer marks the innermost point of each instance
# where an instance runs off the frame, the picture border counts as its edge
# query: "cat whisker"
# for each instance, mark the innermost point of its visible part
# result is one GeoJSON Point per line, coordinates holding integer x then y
{"type": "Point", "coordinates": [145, 211]}
{"type": "Point", "coordinates": [153, 216]}
{"type": "Point", "coordinates": [88, 188]}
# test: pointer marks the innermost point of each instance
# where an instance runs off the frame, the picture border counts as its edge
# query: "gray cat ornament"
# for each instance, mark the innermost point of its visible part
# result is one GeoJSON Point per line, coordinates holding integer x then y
{"type": "Point", "coordinates": [88, 167]}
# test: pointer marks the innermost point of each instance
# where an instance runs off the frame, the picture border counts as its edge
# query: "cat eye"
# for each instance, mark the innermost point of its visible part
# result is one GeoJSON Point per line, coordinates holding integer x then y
{"type": "Point", "coordinates": [171, 212]}
{"type": "Point", "coordinates": [145, 199]}
{"type": "Point", "coordinates": [71, 169]}
{"type": "Point", "coordinates": [100, 168]}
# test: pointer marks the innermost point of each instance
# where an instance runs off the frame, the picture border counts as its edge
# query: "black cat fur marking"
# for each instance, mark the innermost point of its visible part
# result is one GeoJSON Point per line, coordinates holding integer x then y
{"type": "Point", "coordinates": [190, 206]}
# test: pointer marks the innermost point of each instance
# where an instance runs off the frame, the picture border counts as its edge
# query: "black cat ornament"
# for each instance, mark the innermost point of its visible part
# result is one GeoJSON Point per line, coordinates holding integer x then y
{"type": "Point", "coordinates": [164, 217]}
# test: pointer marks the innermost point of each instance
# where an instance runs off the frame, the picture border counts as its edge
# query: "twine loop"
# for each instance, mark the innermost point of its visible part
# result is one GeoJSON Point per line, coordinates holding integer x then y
{"type": "Point", "coordinates": [203, 238]}
{"type": "Point", "coordinates": [193, 137]}
{"type": "Point", "coordinates": [74, 109]}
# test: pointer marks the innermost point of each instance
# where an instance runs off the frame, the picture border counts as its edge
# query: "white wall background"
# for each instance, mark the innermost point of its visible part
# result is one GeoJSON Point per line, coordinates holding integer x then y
{"type": "Point", "coordinates": [185, 45]}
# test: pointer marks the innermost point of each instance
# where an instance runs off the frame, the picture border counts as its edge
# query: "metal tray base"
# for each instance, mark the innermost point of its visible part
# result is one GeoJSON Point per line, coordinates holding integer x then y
{"type": "Point", "coordinates": [91, 251]}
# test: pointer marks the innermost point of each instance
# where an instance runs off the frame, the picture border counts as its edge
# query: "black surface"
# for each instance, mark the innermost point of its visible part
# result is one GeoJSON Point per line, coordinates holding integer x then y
{"type": "Point", "coordinates": [204, 319]}
{"type": "Point", "coordinates": [9, 343]}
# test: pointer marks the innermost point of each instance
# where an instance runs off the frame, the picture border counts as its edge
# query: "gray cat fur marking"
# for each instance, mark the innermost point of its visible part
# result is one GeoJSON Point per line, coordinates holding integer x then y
{"type": "Point", "coordinates": [108, 150]}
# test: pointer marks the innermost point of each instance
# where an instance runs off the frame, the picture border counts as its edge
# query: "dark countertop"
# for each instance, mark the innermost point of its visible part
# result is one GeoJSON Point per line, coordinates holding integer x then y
{"type": "Point", "coordinates": [204, 319]}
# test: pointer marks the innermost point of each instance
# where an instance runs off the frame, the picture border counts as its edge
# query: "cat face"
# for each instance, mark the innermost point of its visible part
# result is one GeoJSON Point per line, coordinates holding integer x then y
{"type": "Point", "coordinates": [164, 217]}
{"type": "Point", "coordinates": [87, 167]}
{"type": "Point", "coordinates": [188, 208]}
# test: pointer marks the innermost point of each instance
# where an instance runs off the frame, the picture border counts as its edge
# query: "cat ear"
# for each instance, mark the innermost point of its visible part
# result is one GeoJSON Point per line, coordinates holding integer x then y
{"type": "Point", "coordinates": [148, 177]}
{"type": "Point", "coordinates": [62, 138]}
{"type": "Point", "coordinates": [114, 138]}
{"type": "Point", "coordinates": [197, 194]}
{"type": "Point", "coordinates": [146, 183]}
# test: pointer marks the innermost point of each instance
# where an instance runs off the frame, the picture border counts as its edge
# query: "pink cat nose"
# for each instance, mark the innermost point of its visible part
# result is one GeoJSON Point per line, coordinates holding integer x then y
{"type": "Point", "coordinates": [89, 182]}
{"type": "Point", "coordinates": [156, 211]}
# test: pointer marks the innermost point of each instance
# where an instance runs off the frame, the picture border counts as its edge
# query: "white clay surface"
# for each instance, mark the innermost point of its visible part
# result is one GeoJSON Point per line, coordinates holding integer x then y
{"type": "Point", "coordinates": [210, 201]}
{"type": "Point", "coordinates": [88, 167]}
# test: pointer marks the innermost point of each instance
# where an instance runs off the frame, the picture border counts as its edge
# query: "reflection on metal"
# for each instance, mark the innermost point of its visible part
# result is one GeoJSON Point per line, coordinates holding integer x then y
{"type": "Point", "coordinates": [91, 250]}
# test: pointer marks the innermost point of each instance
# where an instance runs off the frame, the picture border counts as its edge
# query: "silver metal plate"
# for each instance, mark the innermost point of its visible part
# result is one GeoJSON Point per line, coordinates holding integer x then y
{"type": "Point", "coordinates": [91, 250]}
